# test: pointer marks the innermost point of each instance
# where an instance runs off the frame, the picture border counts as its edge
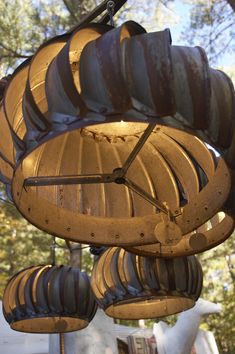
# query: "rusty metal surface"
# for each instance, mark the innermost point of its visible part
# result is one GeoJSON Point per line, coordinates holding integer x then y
{"type": "Point", "coordinates": [34, 102]}
{"type": "Point", "coordinates": [97, 88]}
{"type": "Point", "coordinates": [222, 115]}
{"type": "Point", "coordinates": [110, 213]}
{"type": "Point", "coordinates": [84, 77]}
{"type": "Point", "coordinates": [191, 85]}
{"type": "Point", "coordinates": [56, 108]}
{"type": "Point", "coordinates": [65, 101]}
{"type": "Point", "coordinates": [132, 287]}
{"type": "Point", "coordinates": [12, 105]}
{"type": "Point", "coordinates": [49, 299]}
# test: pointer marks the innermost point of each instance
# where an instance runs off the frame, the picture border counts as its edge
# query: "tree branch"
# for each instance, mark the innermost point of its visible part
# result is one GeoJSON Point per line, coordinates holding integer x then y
{"type": "Point", "coordinates": [13, 54]}
{"type": "Point", "coordinates": [72, 13]}
{"type": "Point", "coordinates": [232, 4]}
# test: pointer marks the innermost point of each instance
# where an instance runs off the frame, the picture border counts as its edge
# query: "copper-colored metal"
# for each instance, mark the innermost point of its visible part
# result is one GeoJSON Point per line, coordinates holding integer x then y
{"type": "Point", "coordinates": [109, 204]}
{"type": "Point", "coordinates": [49, 299]}
{"type": "Point", "coordinates": [192, 243]}
{"type": "Point", "coordinates": [94, 152]}
{"type": "Point", "coordinates": [62, 344]}
{"type": "Point", "coordinates": [132, 287]}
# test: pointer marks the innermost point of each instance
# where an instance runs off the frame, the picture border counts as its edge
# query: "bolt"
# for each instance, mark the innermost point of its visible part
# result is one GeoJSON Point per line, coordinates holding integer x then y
{"type": "Point", "coordinates": [120, 180]}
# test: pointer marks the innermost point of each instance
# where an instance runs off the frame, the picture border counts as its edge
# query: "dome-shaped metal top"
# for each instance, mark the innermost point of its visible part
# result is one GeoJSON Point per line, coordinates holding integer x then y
{"type": "Point", "coordinates": [80, 178]}
{"type": "Point", "coordinates": [49, 299]}
{"type": "Point", "coordinates": [133, 287]}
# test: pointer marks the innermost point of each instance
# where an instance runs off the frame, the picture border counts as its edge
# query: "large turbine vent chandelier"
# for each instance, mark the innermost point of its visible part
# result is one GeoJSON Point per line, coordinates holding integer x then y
{"type": "Point", "coordinates": [104, 136]}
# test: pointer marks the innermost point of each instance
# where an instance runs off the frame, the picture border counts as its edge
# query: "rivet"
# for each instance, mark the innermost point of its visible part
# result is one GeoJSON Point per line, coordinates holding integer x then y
{"type": "Point", "coordinates": [142, 234]}
{"type": "Point", "coordinates": [117, 236]}
{"type": "Point", "coordinates": [29, 210]}
{"type": "Point", "coordinates": [68, 228]}
{"type": "Point", "coordinates": [92, 234]}
{"type": "Point", "coordinates": [47, 221]}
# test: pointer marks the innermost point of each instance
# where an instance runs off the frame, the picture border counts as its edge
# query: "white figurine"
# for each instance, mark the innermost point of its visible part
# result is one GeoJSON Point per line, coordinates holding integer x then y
{"type": "Point", "coordinates": [180, 338]}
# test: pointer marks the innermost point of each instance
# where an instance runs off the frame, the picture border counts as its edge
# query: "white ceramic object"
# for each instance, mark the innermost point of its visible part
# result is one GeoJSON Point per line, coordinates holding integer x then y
{"type": "Point", "coordinates": [180, 338]}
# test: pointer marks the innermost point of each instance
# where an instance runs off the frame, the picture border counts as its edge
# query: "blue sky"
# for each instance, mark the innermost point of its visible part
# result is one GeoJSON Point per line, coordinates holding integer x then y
{"type": "Point", "coordinates": [155, 17]}
{"type": "Point", "coordinates": [182, 11]}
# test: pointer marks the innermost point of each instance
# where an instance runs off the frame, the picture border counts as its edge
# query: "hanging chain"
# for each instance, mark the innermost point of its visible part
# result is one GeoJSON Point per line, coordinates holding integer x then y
{"type": "Point", "coordinates": [110, 10]}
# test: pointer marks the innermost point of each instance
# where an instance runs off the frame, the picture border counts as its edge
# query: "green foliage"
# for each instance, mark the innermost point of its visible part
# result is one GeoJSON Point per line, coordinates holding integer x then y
{"type": "Point", "coordinates": [219, 286]}
{"type": "Point", "coordinates": [22, 245]}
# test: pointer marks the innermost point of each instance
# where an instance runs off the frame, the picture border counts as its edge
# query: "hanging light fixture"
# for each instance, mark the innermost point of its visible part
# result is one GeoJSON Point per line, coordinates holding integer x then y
{"type": "Point", "coordinates": [132, 287]}
{"type": "Point", "coordinates": [104, 134]}
{"type": "Point", "coordinates": [49, 299]}
{"type": "Point", "coordinates": [97, 148]}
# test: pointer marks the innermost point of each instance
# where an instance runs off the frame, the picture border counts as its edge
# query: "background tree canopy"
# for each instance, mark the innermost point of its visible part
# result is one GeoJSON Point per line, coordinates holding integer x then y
{"type": "Point", "coordinates": [24, 25]}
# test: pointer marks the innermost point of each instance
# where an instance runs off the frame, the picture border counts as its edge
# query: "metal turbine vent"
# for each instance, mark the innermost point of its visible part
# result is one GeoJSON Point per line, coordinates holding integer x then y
{"type": "Point", "coordinates": [49, 299]}
{"type": "Point", "coordinates": [131, 287]}
{"type": "Point", "coordinates": [100, 141]}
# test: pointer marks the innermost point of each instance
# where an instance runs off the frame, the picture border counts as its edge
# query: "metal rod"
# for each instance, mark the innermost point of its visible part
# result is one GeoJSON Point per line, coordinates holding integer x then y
{"type": "Point", "coordinates": [66, 180]}
{"type": "Point", "coordinates": [62, 344]}
{"type": "Point", "coordinates": [137, 148]}
{"type": "Point", "coordinates": [141, 192]}
{"type": "Point", "coordinates": [97, 12]}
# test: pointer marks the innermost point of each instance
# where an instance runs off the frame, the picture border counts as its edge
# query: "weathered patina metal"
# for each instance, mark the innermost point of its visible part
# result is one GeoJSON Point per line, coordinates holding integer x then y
{"type": "Point", "coordinates": [110, 213]}
{"type": "Point", "coordinates": [131, 287]}
{"type": "Point", "coordinates": [49, 299]}
{"type": "Point", "coordinates": [89, 122]}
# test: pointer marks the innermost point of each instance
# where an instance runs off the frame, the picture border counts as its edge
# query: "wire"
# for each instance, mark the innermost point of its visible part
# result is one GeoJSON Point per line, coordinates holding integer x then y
{"type": "Point", "coordinates": [6, 201]}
